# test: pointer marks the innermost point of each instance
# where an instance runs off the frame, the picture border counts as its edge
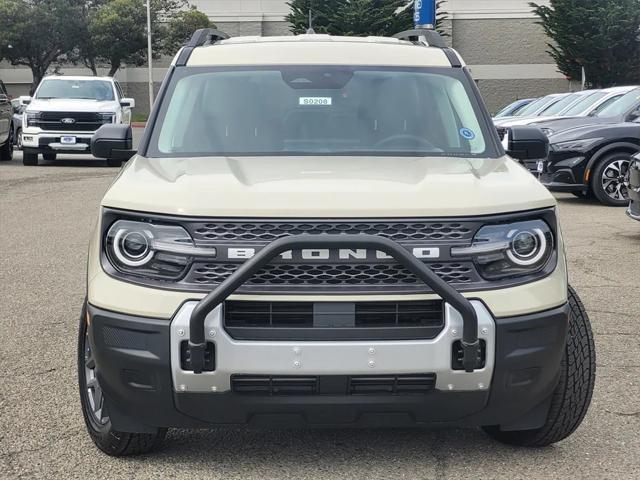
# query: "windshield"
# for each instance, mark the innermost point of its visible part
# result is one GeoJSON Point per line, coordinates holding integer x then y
{"type": "Point", "coordinates": [561, 105]}
{"type": "Point", "coordinates": [584, 103]}
{"type": "Point", "coordinates": [622, 105]}
{"type": "Point", "coordinates": [79, 89]}
{"type": "Point", "coordinates": [319, 110]}
{"type": "Point", "coordinates": [536, 105]}
{"type": "Point", "coordinates": [511, 109]}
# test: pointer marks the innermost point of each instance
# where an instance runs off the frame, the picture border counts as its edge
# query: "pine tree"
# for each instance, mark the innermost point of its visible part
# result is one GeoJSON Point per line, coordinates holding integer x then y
{"type": "Point", "coordinates": [355, 17]}
{"type": "Point", "coordinates": [603, 36]}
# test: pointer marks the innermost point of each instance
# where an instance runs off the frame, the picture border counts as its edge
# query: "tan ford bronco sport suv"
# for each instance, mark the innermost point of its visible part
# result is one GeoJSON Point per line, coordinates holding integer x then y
{"type": "Point", "coordinates": [327, 231]}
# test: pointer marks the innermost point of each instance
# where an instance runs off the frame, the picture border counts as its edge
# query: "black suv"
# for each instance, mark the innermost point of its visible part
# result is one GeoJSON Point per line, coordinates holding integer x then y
{"type": "Point", "coordinates": [6, 128]}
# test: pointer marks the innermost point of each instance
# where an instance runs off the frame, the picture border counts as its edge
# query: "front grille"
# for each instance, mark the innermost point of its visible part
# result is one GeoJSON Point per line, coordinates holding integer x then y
{"type": "Point", "coordinates": [292, 385]}
{"type": "Point", "coordinates": [269, 231]}
{"type": "Point", "coordinates": [332, 275]}
{"type": "Point", "coordinates": [249, 320]}
{"type": "Point", "coordinates": [82, 121]}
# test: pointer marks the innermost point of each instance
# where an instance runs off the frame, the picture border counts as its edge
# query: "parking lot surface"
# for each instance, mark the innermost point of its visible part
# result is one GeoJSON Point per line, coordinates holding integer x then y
{"type": "Point", "coordinates": [46, 216]}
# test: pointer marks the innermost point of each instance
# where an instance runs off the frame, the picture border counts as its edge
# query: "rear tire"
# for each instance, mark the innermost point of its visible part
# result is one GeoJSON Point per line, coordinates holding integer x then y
{"type": "Point", "coordinates": [95, 409]}
{"type": "Point", "coordinates": [6, 150]}
{"type": "Point", "coordinates": [29, 159]}
{"type": "Point", "coordinates": [572, 396]}
{"type": "Point", "coordinates": [49, 157]}
{"type": "Point", "coordinates": [608, 177]}
{"type": "Point", "coordinates": [112, 162]}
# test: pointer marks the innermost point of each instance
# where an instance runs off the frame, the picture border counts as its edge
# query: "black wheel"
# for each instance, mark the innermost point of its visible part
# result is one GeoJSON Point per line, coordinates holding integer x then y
{"type": "Point", "coordinates": [608, 179]}
{"type": "Point", "coordinates": [572, 396]}
{"type": "Point", "coordinates": [6, 150]}
{"type": "Point", "coordinates": [29, 159]}
{"type": "Point", "coordinates": [112, 162]}
{"type": "Point", "coordinates": [96, 412]}
{"type": "Point", "coordinates": [49, 157]}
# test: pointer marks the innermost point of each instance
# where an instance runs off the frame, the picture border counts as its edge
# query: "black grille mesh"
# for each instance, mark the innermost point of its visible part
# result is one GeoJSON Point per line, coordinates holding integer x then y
{"type": "Point", "coordinates": [269, 231]}
{"type": "Point", "coordinates": [332, 274]}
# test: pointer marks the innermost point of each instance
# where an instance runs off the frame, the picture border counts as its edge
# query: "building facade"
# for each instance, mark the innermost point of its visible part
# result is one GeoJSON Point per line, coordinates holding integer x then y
{"type": "Point", "coordinates": [499, 39]}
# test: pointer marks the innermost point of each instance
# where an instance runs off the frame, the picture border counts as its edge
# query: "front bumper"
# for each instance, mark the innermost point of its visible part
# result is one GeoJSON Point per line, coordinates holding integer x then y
{"type": "Point", "coordinates": [138, 369]}
{"type": "Point", "coordinates": [563, 173]}
{"type": "Point", "coordinates": [50, 142]}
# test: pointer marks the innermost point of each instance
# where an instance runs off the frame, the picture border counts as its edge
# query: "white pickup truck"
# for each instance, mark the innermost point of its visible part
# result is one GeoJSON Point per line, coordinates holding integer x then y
{"type": "Point", "coordinates": [64, 113]}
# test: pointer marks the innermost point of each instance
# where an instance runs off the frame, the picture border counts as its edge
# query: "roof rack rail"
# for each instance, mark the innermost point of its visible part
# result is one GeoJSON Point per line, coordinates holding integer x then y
{"type": "Point", "coordinates": [423, 35]}
{"type": "Point", "coordinates": [200, 37]}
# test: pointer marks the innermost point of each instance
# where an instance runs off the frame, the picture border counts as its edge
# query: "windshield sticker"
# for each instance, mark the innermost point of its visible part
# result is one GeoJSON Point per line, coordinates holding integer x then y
{"type": "Point", "coordinates": [467, 133]}
{"type": "Point", "coordinates": [321, 101]}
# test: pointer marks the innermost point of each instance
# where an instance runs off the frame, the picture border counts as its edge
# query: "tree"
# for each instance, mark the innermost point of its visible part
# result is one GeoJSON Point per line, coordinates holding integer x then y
{"type": "Point", "coordinates": [356, 17]}
{"type": "Point", "coordinates": [180, 28]}
{"type": "Point", "coordinates": [36, 33]}
{"type": "Point", "coordinates": [599, 35]}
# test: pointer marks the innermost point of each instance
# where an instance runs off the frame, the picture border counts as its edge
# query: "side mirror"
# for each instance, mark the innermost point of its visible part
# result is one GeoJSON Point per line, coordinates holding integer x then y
{"type": "Point", "coordinates": [527, 143]}
{"type": "Point", "coordinates": [634, 115]}
{"type": "Point", "coordinates": [114, 141]}
{"type": "Point", "coordinates": [24, 100]}
{"type": "Point", "coordinates": [128, 102]}
{"type": "Point", "coordinates": [3, 98]}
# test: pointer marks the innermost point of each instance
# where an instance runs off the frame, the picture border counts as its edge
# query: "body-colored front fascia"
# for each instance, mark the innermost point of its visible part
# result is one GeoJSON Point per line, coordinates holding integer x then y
{"type": "Point", "coordinates": [326, 187]}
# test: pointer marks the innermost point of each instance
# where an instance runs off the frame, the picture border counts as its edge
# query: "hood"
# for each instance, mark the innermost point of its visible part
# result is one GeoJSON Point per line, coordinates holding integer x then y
{"type": "Point", "coordinates": [303, 187]}
{"type": "Point", "coordinates": [608, 131]}
{"type": "Point", "coordinates": [561, 124]}
{"type": "Point", "coordinates": [71, 105]}
{"type": "Point", "coordinates": [515, 121]}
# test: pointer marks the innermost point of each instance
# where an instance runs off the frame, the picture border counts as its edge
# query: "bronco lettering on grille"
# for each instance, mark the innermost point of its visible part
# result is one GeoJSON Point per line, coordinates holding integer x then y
{"type": "Point", "coordinates": [327, 254]}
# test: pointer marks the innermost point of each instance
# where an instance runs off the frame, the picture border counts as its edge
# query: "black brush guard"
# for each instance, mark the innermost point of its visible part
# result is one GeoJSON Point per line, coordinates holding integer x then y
{"type": "Point", "coordinates": [197, 343]}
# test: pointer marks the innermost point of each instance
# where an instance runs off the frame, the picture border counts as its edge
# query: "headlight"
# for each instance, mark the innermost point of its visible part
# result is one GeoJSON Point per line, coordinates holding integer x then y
{"type": "Point", "coordinates": [151, 250]}
{"type": "Point", "coordinates": [582, 145]}
{"type": "Point", "coordinates": [108, 117]}
{"type": "Point", "coordinates": [510, 250]}
{"type": "Point", "coordinates": [31, 118]}
{"type": "Point", "coordinates": [547, 131]}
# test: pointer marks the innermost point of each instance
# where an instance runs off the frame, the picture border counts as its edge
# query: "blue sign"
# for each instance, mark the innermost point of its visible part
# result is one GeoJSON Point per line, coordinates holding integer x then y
{"type": "Point", "coordinates": [425, 13]}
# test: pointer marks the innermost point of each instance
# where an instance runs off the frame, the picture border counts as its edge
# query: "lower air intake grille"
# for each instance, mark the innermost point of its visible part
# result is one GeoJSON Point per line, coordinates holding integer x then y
{"type": "Point", "coordinates": [292, 385]}
{"type": "Point", "coordinates": [333, 320]}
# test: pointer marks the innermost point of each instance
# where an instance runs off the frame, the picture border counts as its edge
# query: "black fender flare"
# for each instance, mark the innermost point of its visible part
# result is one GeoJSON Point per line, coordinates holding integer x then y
{"type": "Point", "coordinates": [616, 146]}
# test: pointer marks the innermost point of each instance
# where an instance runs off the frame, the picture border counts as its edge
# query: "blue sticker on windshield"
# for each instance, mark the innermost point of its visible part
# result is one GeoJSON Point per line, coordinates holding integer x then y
{"type": "Point", "coordinates": [467, 133]}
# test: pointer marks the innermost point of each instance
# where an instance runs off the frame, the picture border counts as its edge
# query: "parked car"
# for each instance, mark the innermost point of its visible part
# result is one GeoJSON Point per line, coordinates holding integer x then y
{"type": "Point", "coordinates": [65, 112]}
{"type": "Point", "coordinates": [514, 108]}
{"type": "Point", "coordinates": [6, 126]}
{"type": "Point", "coordinates": [18, 112]}
{"type": "Point", "coordinates": [321, 230]}
{"type": "Point", "coordinates": [633, 188]}
{"type": "Point", "coordinates": [591, 160]}
{"type": "Point", "coordinates": [624, 109]}
{"type": "Point", "coordinates": [534, 108]}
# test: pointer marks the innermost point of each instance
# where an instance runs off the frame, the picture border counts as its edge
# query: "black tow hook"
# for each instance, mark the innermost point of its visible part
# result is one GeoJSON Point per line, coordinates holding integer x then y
{"type": "Point", "coordinates": [197, 342]}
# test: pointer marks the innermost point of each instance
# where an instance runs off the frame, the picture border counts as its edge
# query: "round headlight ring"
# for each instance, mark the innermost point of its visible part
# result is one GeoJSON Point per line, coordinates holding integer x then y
{"type": "Point", "coordinates": [529, 258]}
{"type": "Point", "coordinates": [132, 259]}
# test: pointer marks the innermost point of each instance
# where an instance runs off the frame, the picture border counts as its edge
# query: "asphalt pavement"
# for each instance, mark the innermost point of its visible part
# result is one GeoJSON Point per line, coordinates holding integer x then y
{"type": "Point", "coordinates": [46, 216]}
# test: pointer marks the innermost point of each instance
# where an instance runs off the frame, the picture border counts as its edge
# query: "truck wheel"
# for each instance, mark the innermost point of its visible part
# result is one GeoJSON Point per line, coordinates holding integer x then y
{"type": "Point", "coordinates": [572, 396]}
{"type": "Point", "coordinates": [608, 179]}
{"type": "Point", "coordinates": [6, 150]}
{"type": "Point", "coordinates": [49, 157]}
{"type": "Point", "coordinates": [95, 410]}
{"type": "Point", "coordinates": [113, 162]}
{"type": "Point", "coordinates": [29, 159]}
{"type": "Point", "coordinates": [18, 140]}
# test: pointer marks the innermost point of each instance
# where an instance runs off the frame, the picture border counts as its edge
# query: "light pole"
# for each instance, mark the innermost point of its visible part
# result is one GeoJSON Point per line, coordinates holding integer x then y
{"type": "Point", "coordinates": [149, 54]}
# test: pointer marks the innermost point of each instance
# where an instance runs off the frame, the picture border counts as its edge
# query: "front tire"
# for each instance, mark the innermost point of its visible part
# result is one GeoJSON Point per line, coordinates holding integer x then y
{"type": "Point", "coordinates": [95, 409]}
{"type": "Point", "coordinates": [608, 179]}
{"type": "Point", "coordinates": [112, 162]}
{"type": "Point", "coordinates": [572, 396]}
{"type": "Point", "coordinates": [29, 159]}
